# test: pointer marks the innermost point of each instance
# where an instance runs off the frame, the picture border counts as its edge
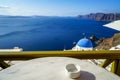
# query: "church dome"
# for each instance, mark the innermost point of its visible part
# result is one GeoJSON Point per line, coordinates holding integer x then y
{"type": "Point", "coordinates": [85, 43]}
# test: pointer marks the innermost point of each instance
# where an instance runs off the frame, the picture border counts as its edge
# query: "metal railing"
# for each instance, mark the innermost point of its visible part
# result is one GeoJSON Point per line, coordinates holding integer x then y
{"type": "Point", "coordinates": [110, 56]}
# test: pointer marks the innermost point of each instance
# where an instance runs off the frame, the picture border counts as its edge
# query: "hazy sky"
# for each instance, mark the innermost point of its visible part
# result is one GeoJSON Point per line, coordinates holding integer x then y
{"type": "Point", "coordinates": [57, 7]}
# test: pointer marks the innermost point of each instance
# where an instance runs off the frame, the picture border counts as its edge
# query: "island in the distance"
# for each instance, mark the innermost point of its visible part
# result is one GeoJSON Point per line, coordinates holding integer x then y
{"type": "Point", "coordinates": [101, 16]}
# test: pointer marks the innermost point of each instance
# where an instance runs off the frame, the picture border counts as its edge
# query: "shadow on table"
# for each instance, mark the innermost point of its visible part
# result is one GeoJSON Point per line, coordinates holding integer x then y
{"type": "Point", "coordinates": [84, 75]}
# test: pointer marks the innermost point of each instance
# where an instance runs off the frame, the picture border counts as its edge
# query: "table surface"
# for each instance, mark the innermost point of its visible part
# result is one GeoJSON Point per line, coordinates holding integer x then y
{"type": "Point", "coordinates": [53, 68]}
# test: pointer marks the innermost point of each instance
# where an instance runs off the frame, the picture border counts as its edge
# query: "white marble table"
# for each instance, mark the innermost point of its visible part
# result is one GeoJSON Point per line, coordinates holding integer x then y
{"type": "Point", "coordinates": [53, 68]}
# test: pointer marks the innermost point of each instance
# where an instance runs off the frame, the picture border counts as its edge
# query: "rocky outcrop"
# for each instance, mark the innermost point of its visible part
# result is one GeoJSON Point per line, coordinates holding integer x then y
{"type": "Point", "coordinates": [101, 16]}
{"type": "Point", "coordinates": [106, 44]}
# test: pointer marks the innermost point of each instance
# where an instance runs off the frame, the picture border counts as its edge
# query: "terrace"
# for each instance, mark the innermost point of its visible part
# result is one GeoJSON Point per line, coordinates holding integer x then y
{"type": "Point", "coordinates": [111, 56]}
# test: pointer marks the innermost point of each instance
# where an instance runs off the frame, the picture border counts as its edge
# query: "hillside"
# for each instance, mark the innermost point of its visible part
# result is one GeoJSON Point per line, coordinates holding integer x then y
{"type": "Point", "coordinates": [101, 16]}
{"type": "Point", "coordinates": [107, 43]}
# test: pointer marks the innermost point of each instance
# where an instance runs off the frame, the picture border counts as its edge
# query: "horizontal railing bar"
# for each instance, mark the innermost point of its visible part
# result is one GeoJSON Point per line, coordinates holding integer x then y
{"type": "Point", "coordinates": [25, 55]}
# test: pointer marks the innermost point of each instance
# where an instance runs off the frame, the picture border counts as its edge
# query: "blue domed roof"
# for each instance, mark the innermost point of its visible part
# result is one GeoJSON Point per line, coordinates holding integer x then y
{"type": "Point", "coordinates": [84, 43]}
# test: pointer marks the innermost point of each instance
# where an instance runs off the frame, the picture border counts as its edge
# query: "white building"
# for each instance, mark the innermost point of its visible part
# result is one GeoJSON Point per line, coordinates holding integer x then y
{"type": "Point", "coordinates": [15, 49]}
{"type": "Point", "coordinates": [115, 48]}
{"type": "Point", "coordinates": [83, 44]}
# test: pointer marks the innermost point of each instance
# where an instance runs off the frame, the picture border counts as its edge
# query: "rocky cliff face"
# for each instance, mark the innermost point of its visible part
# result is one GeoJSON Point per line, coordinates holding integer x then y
{"type": "Point", "coordinates": [106, 44]}
{"type": "Point", "coordinates": [102, 16]}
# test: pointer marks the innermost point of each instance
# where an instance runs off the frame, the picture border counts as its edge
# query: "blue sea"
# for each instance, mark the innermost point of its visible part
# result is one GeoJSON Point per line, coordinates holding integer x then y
{"type": "Point", "coordinates": [48, 33]}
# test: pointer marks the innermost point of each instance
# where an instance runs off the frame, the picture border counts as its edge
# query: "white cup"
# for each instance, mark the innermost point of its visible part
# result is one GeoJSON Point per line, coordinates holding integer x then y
{"type": "Point", "coordinates": [73, 70]}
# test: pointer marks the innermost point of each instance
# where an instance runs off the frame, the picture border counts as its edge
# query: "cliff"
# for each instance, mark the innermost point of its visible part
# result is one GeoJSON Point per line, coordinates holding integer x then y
{"type": "Point", "coordinates": [101, 16]}
{"type": "Point", "coordinates": [106, 44]}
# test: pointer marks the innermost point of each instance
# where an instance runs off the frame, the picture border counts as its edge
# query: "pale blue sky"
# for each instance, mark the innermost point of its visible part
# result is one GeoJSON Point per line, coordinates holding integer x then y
{"type": "Point", "coordinates": [57, 7]}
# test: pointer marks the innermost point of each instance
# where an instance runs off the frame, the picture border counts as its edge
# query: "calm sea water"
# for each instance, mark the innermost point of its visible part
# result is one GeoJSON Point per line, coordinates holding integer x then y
{"type": "Point", "coordinates": [48, 33]}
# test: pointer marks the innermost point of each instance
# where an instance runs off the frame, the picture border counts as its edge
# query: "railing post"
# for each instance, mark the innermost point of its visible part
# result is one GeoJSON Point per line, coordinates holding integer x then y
{"type": "Point", "coordinates": [118, 68]}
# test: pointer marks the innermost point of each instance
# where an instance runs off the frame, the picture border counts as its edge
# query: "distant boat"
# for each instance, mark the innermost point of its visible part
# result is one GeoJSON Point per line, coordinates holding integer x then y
{"type": "Point", "coordinates": [15, 49]}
